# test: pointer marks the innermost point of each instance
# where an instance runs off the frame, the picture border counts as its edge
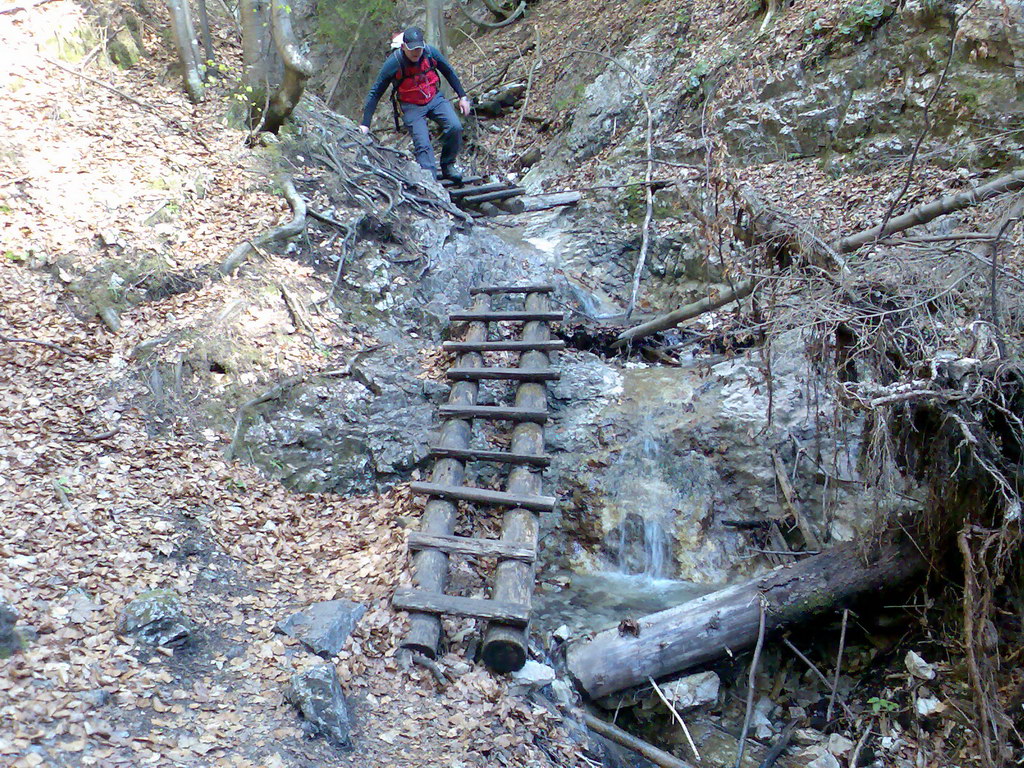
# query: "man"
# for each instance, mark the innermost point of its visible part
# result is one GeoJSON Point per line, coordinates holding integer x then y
{"type": "Point", "coordinates": [413, 69]}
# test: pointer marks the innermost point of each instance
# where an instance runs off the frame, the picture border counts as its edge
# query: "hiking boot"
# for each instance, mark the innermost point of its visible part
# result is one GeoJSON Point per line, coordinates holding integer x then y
{"type": "Point", "coordinates": [451, 173]}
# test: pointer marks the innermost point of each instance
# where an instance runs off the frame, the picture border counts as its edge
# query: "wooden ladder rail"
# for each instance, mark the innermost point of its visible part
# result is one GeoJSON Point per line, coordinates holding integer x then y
{"type": "Point", "coordinates": [505, 645]}
{"type": "Point", "coordinates": [430, 566]}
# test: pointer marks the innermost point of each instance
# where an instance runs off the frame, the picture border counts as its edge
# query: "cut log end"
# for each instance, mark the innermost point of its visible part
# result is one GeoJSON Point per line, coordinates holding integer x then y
{"type": "Point", "coordinates": [504, 654]}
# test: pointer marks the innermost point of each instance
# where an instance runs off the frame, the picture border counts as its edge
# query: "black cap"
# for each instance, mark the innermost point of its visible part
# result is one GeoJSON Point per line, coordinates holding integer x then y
{"type": "Point", "coordinates": [413, 37]}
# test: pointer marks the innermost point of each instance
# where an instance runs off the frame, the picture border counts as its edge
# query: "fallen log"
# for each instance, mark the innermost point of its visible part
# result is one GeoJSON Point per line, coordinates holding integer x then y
{"type": "Point", "coordinates": [688, 312]}
{"type": "Point", "coordinates": [543, 202]}
{"type": "Point", "coordinates": [726, 621]}
{"type": "Point", "coordinates": [657, 756]}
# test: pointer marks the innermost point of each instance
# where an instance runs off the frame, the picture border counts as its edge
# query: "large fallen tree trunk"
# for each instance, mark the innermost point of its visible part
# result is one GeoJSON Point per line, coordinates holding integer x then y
{"type": "Point", "coordinates": [726, 621]}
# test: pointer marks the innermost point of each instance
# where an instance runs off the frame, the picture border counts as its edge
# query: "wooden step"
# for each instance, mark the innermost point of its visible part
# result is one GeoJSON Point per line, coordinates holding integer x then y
{"type": "Point", "coordinates": [489, 317]}
{"type": "Point", "coordinates": [485, 496]}
{"type": "Point", "coordinates": [458, 192]}
{"type": "Point", "coordinates": [493, 289]}
{"type": "Point", "coordinates": [486, 197]}
{"type": "Point", "coordinates": [501, 457]}
{"type": "Point", "coordinates": [465, 546]}
{"type": "Point", "coordinates": [495, 412]}
{"type": "Point", "coordinates": [503, 374]}
{"type": "Point", "coordinates": [466, 180]}
{"type": "Point", "coordinates": [504, 346]}
{"type": "Point", "coordinates": [408, 599]}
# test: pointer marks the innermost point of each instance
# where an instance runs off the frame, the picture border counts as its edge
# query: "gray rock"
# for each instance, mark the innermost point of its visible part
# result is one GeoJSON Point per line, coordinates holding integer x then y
{"type": "Point", "coordinates": [10, 640]}
{"type": "Point", "coordinates": [534, 675]}
{"type": "Point", "coordinates": [318, 696]}
{"type": "Point", "coordinates": [156, 617]}
{"type": "Point", "coordinates": [323, 627]}
{"type": "Point", "coordinates": [692, 690]}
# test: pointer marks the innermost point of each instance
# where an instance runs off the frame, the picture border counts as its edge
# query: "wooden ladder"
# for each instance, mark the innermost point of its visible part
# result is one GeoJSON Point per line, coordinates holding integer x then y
{"type": "Point", "coordinates": [507, 611]}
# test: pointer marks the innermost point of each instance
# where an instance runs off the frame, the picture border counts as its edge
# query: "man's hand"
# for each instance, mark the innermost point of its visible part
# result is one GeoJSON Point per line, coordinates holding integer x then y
{"type": "Point", "coordinates": [364, 128]}
{"type": "Point", "coordinates": [465, 106]}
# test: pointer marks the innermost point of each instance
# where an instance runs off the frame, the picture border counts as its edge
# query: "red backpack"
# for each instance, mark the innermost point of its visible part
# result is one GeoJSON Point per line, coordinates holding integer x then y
{"type": "Point", "coordinates": [416, 82]}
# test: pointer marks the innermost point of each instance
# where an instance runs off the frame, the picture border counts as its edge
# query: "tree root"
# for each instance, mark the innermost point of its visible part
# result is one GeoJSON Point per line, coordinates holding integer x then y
{"type": "Point", "coordinates": [278, 234]}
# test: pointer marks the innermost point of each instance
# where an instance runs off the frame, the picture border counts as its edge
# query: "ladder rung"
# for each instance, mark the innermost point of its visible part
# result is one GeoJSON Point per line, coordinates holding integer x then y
{"type": "Point", "coordinates": [456, 193]}
{"type": "Point", "coordinates": [512, 315]}
{"type": "Point", "coordinates": [492, 289]}
{"type": "Point", "coordinates": [407, 599]}
{"type": "Point", "coordinates": [495, 412]}
{"type": "Point", "coordinates": [486, 197]}
{"type": "Point", "coordinates": [485, 496]}
{"type": "Point", "coordinates": [504, 346]}
{"type": "Point", "coordinates": [467, 546]}
{"type": "Point", "coordinates": [470, 454]}
{"type": "Point", "coordinates": [504, 374]}
{"type": "Point", "coordinates": [448, 183]}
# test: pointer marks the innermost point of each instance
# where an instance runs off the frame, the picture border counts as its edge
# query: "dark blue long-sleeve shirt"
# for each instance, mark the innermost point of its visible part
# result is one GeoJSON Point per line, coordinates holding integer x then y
{"type": "Point", "coordinates": [390, 69]}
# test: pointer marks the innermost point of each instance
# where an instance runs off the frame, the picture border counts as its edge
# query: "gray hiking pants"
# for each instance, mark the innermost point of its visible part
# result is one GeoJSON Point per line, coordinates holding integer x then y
{"type": "Point", "coordinates": [441, 111]}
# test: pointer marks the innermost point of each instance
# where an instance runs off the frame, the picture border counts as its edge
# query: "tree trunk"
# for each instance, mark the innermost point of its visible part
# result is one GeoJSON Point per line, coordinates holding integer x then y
{"type": "Point", "coordinates": [435, 31]}
{"type": "Point", "coordinates": [925, 213]}
{"type": "Point", "coordinates": [297, 68]}
{"type": "Point", "coordinates": [185, 41]}
{"type": "Point", "coordinates": [257, 52]}
{"type": "Point", "coordinates": [726, 621]}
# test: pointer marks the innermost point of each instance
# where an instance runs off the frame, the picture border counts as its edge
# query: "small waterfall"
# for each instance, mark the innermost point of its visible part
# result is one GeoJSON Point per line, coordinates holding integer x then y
{"type": "Point", "coordinates": [645, 502]}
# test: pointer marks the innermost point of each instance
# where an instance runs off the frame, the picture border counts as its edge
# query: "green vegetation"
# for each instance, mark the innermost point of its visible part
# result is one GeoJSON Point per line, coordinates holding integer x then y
{"type": "Point", "coordinates": [862, 17]}
{"type": "Point", "coordinates": [339, 21]}
{"type": "Point", "coordinates": [573, 99]}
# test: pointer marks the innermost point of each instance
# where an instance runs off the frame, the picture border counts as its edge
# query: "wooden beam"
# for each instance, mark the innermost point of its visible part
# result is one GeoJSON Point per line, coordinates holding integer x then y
{"type": "Point", "coordinates": [502, 457]}
{"type": "Point", "coordinates": [476, 547]}
{"type": "Point", "coordinates": [489, 317]}
{"type": "Point", "coordinates": [485, 496]}
{"type": "Point", "coordinates": [406, 599]}
{"type": "Point", "coordinates": [493, 289]}
{"type": "Point", "coordinates": [504, 346]}
{"type": "Point", "coordinates": [448, 183]}
{"type": "Point", "coordinates": [505, 647]}
{"type": "Point", "coordinates": [554, 200]}
{"type": "Point", "coordinates": [493, 412]}
{"type": "Point", "coordinates": [503, 374]}
{"type": "Point", "coordinates": [487, 197]}
{"type": "Point", "coordinates": [430, 566]}
{"type": "Point", "coordinates": [477, 190]}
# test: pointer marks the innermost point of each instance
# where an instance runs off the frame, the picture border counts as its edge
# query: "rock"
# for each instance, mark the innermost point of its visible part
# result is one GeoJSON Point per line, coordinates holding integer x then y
{"type": "Point", "coordinates": [10, 640]}
{"type": "Point", "coordinates": [561, 634]}
{"type": "Point", "coordinates": [156, 617]}
{"type": "Point", "coordinates": [825, 760]}
{"type": "Point", "coordinates": [323, 627]}
{"type": "Point", "coordinates": [928, 705]}
{"type": "Point", "coordinates": [318, 696]}
{"type": "Point", "coordinates": [533, 675]}
{"type": "Point", "coordinates": [807, 736]}
{"type": "Point", "coordinates": [693, 690]}
{"type": "Point", "coordinates": [562, 693]}
{"type": "Point", "coordinates": [838, 745]}
{"type": "Point", "coordinates": [918, 667]}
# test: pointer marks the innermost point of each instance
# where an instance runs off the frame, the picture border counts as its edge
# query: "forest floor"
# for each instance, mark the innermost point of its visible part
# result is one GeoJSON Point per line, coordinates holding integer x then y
{"type": "Point", "coordinates": [111, 181]}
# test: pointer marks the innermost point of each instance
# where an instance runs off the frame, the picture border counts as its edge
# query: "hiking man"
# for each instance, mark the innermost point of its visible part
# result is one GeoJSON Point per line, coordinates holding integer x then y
{"type": "Point", "coordinates": [413, 70]}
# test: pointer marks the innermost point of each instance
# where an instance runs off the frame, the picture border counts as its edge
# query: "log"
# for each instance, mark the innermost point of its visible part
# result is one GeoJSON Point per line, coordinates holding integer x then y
{"type": "Point", "coordinates": [485, 496]}
{"type": "Point", "coordinates": [505, 647]}
{"type": "Point", "coordinates": [726, 622]}
{"type": "Point", "coordinates": [925, 213]}
{"type": "Point", "coordinates": [650, 752]}
{"type": "Point", "coordinates": [490, 197]}
{"type": "Point", "coordinates": [463, 545]}
{"type": "Point", "coordinates": [684, 313]}
{"type": "Point", "coordinates": [430, 566]}
{"type": "Point", "coordinates": [503, 346]}
{"type": "Point", "coordinates": [501, 457]}
{"type": "Point", "coordinates": [554, 200]}
{"type": "Point", "coordinates": [406, 599]}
